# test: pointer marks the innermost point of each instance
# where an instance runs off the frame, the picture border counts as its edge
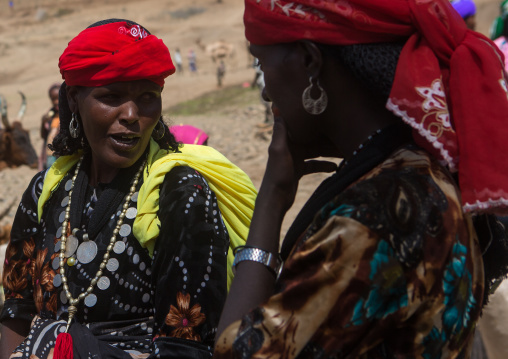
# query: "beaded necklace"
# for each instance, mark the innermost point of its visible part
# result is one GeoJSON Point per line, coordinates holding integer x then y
{"type": "Point", "coordinates": [73, 302]}
{"type": "Point", "coordinates": [362, 145]}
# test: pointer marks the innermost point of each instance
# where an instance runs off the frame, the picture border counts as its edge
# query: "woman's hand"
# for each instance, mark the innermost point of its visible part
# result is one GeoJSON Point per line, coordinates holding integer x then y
{"type": "Point", "coordinates": [288, 163]}
{"type": "Point", "coordinates": [254, 283]}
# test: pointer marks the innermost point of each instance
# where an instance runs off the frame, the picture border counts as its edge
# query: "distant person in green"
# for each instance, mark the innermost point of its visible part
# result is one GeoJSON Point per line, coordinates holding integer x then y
{"type": "Point", "coordinates": [498, 25]}
{"type": "Point", "coordinates": [499, 31]}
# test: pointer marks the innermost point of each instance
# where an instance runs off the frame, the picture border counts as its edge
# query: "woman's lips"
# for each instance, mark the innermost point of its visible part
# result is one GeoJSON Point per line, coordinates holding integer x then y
{"type": "Point", "coordinates": [124, 142]}
{"type": "Point", "coordinates": [275, 111]}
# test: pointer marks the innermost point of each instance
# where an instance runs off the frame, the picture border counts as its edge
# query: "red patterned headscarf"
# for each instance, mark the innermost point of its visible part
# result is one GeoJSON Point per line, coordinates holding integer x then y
{"type": "Point", "coordinates": [450, 85]}
{"type": "Point", "coordinates": [115, 52]}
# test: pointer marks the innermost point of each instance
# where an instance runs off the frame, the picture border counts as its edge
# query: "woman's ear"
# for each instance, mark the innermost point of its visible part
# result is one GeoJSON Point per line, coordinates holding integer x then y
{"type": "Point", "coordinates": [72, 98]}
{"type": "Point", "coordinates": [313, 58]}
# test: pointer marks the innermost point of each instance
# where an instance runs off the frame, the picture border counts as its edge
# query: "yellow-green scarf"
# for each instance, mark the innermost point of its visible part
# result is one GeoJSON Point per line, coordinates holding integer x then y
{"type": "Point", "coordinates": [234, 190]}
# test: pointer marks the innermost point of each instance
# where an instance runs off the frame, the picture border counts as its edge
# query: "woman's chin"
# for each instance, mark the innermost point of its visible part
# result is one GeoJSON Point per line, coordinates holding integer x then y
{"type": "Point", "coordinates": [118, 156]}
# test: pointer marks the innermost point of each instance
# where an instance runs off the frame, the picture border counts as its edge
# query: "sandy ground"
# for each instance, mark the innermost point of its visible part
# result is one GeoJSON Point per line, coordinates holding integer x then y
{"type": "Point", "coordinates": [35, 32]}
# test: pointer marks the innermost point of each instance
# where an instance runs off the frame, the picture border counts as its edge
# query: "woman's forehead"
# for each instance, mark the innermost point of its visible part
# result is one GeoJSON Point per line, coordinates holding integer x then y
{"type": "Point", "coordinates": [135, 85]}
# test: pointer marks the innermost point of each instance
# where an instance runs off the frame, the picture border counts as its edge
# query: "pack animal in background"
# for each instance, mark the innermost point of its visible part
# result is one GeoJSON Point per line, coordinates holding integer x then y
{"type": "Point", "coordinates": [15, 146]}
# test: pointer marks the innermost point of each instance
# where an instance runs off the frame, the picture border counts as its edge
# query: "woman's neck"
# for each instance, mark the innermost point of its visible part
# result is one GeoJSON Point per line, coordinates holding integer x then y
{"type": "Point", "coordinates": [355, 113]}
{"type": "Point", "coordinates": [356, 128]}
{"type": "Point", "coordinates": [101, 173]}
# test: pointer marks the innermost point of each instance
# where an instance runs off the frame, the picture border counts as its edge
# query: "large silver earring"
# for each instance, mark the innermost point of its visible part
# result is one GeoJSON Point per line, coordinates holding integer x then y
{"type": "Point", "coordinates": [158, 131]}
{"type": "Point", "coordinates": [314, 107]}
{"type": "Point", "coordinates": [74, 126]}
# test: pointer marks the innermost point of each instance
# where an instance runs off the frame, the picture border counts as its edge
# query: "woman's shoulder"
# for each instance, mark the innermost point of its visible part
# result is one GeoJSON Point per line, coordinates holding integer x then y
{"type": "Point", "coordinates": [34, 188]}
{"type": "Point", "coordinates": [182, 176]}
{"type": "Point", "coordinates": [182, 182]}
{"type": "Point", "coordinates": [413, 170]}
{"type": "Point", "coordinates": [410, 183]}
{"type": "Point", "coordinates": [405, 199]}
{"type": "Point", "coordinates": [26, 214]}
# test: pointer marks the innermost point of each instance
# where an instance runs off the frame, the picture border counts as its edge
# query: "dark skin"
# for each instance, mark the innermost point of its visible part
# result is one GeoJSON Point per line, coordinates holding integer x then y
{"type": "Point", "coordinates": [13, 332]}
{"type": "Point", "coordinates": [352, 114]}
{"type": "Point", "coordinates": [470, 22]}
{"type": "Point", "coordinates": [112, 114]}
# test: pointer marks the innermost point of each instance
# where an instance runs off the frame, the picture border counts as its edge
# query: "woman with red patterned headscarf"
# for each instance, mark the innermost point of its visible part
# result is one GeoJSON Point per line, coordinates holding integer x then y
{"type": "Point", "coordinates": [120, 248]}
{"type": "Point", "coordinates": [384, 260]}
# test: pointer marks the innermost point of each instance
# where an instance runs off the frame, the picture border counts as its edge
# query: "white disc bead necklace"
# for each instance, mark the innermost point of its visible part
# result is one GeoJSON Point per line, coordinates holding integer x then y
{"type": "Point", "coordinates": [73, 302]}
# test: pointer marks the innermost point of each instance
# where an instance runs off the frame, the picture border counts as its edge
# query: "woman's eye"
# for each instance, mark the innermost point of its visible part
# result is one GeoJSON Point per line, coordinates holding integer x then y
{"type": "Point", "coordinates": [147, 96]}
{"type": "Point", "coordinates": [109, 96]}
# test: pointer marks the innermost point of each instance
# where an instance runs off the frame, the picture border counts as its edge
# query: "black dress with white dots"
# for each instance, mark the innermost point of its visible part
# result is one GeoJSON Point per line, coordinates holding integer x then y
{"type": "Point", "coordinates": [167, 305]}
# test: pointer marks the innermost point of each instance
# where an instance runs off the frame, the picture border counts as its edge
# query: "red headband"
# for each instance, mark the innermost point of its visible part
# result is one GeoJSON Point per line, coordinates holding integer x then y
{"type": "Point", "coordinates": [450, 84]}
{"type": "Point", "coordinates": [115, 52]}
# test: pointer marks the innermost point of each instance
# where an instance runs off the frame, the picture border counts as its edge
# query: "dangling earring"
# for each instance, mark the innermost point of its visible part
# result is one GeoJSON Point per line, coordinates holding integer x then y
{"type": "Point", "coordinates": [314, 107]}
{"type": "Point", "coordinates": [159, 130]}
{"type": "Point", "coordinates": [74, 126]}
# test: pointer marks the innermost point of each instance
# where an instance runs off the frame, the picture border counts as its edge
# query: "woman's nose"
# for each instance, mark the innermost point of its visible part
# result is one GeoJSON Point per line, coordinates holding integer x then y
{"type": "Point", "coordinates": [129, 112]}
{"type": "Point", "coordinates": [265, 96]}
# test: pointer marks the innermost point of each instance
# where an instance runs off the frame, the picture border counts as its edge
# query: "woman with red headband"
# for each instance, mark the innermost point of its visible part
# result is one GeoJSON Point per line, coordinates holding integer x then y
{"type": "Point", "coordinates": [383, 260]}
{"type": "Point", "coordinates": [119, 250]}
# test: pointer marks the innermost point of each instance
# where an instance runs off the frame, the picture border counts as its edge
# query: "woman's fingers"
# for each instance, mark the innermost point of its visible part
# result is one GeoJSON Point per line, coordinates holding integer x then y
{"type": "Point", "coordinates": [318, 166]}
{"type": "Point", "coordinates": [299, 160]}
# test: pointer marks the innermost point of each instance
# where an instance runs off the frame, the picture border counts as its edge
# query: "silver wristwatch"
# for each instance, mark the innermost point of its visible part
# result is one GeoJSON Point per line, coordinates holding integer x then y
{"type": "Point", "coordinates": [271, 261]}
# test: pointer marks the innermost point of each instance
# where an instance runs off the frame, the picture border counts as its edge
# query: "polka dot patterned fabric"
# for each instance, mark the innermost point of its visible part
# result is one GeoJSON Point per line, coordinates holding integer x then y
{"type": "Point", "coordinates": [160, 305]}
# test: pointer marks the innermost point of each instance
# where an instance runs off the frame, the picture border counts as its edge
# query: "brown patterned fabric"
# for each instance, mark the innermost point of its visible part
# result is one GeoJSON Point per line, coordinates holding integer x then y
{"type": "Point", "coordinates": [390, 268]}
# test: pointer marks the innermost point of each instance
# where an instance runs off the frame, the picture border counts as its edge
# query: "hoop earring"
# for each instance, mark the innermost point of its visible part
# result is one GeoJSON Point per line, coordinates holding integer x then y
{"type": "Point", "coordinates": [314, 107]}
{"type": "Point", "coordinates": [159, 131]}
{"type": "Point", "coordinates": [74, 127]}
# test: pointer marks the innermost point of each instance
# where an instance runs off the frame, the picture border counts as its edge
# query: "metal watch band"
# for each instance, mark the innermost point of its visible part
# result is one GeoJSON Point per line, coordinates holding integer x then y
{"type": "Point", "coordinates": [270, 260]}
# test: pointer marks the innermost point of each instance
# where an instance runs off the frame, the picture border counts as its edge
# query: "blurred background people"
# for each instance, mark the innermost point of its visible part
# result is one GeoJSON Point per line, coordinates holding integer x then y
{"type": "Point", "coordinates": [50, 125]}
{"type": "Point", "coordinates": [497, 27]}
{"type": "Point", "coordinates": [221, 72]}
{"type": "Point", "coordinates": [466, 9]}
{"type": "Point", "coordinates": [499, 31]}
{"type": "Point", "coordinates": [177, 57]}
{"type": "Point", "coordinates": [191, 57]}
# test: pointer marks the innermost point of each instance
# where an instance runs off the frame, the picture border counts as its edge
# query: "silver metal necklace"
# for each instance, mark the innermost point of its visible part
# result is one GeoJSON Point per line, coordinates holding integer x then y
{"type": "Point", "coordinates": [87, 250]}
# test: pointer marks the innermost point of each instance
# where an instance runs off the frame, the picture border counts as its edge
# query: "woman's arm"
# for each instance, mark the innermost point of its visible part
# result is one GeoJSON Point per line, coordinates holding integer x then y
{"type": "Point", "coordinates": [12, 333]}
{"type": "Point", "coordinates": [45, 125]}
{"type": "Point", "coordinates": [19, 308]}
{"type": "Point", "coordinates": [254, 283]}
{"type": "Point", "coordinates": [189, 268]}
